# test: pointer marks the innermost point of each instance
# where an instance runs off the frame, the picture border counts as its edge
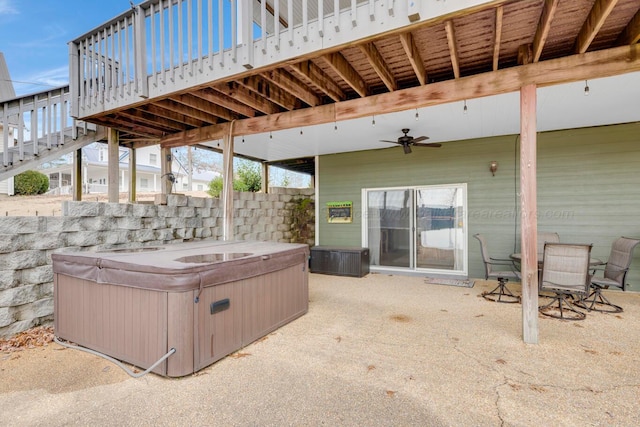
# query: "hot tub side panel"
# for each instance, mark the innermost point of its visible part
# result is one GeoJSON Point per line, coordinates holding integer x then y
{"type": "Point", "coordinates": [273, 300]}
{"type": "Point", "coordinates": [180, 315]}
{"type": "Point", "coordinates": [218, 323]}
{"type": "Point", "coordinates": [126, 323]}
{"type": "Point", "coordinates": [234, 314]}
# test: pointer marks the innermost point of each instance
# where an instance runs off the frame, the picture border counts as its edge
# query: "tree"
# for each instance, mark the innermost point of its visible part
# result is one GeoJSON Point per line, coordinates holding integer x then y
{"type": "Point", "coordinates": [248, 178]}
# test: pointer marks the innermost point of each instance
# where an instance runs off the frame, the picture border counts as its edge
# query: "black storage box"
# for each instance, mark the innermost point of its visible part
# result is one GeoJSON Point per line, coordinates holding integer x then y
{"type": "Point", "coordinates": [340, 261]}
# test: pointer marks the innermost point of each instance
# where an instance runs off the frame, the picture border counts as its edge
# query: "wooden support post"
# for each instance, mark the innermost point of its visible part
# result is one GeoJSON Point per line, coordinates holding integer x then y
{"type": "Point", "coordinates": [77, 175]}
{"type": "Point", "coordinates": [132, 174]}
{"type": "Point", "coordinates": [528, 214]}
{"type": "Point", "coordinates": [227, 185]}
{"type": "Point", "coordinates": [113, 146]}
{"type": "Point", "coordinates": [166, 177]}
{"type": "Point", "coordinates": [264, 179]}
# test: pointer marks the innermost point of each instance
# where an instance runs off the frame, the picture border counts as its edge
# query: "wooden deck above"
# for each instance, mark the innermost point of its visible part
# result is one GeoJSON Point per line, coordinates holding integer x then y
{"type": "Point", "coordinates": [379, 56]}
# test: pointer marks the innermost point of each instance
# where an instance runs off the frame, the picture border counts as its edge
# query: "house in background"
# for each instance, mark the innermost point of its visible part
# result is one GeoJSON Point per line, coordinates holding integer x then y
{"type": "Point", "coordinates": [148, 173]}
{"type": "Point", "coordinates": [6, 92]}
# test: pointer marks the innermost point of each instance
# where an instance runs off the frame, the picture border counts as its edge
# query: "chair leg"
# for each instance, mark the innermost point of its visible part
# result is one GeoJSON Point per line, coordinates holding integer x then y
{"type": "Point", "coordinates": [560, 304]}
{"type": "Point", "coordinates": [501, 293]}
{"type": "Point", "coordinates": [598, 302]}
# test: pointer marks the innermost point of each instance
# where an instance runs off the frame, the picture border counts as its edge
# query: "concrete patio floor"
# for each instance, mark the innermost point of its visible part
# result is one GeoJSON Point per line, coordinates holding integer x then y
{"type": "Point", "coordinates": [377, 351]}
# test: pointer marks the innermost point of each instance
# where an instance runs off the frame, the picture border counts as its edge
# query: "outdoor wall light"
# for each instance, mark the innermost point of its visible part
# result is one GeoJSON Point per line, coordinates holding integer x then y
{"type": "Point", "coordinates": [493, 167]}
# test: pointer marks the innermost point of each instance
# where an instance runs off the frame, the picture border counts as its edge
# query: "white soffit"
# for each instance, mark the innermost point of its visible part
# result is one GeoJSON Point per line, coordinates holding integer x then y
{"type": "Point", "coordinates": [611, 100]}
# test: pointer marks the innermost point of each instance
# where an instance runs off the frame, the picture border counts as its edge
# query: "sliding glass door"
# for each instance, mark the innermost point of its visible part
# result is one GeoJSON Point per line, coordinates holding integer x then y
{"type": "Point", "coordinates": [389, 227]}
{"type": "Point", "coordinates": [417, 228]}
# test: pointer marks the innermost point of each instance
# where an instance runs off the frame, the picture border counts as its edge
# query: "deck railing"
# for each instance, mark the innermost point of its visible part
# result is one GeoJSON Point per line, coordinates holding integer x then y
{"type": "Point", "coordinates": [163, 46]}
{"type": "Point", "coordinates": [38, 127]}
{"type": "Point", "coordinates": [42, 117]}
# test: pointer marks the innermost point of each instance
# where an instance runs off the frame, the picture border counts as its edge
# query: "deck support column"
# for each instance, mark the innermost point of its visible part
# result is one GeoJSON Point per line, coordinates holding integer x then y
{"type": "Point", "coordinates": [264, 178]}
{"type": "Point", "coordinates": [166, 177]}
{"type": "Point", "coordinates": [132, 175]}
{"type": "Point", "coordinates": [77, 175]}
{"type": "Point", "coordinates": [227, 184]}
{"type": "Point", "coordinates": [113, 189]}
{"type": "Point", "coordinates": [528, 214]}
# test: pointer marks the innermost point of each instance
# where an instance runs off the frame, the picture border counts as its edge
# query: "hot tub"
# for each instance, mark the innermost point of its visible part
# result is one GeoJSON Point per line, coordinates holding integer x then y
{"type": "Point", "coordinates": [206, 299]}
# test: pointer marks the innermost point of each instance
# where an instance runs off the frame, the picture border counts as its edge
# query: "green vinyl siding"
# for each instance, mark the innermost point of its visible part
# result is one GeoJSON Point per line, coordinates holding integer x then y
{"type": "Point", "coordinates": [588, 187]}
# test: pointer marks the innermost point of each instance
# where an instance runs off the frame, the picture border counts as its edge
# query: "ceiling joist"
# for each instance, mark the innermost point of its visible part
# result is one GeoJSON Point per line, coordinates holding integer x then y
{"type": "Point", "coordinates": [247, 97]}
{"type": "Point", "coordinates": [379, 65]}
{"type": "Point", "coordinates": [310, 71]}
{"type": "Point", "coordinates": [413, 55]}
{"type": "Point", "coordinates": [631, 33]}
{"type": "Point", "coordinates": [544, 25]}
{"type": "Point", "coordinates": [599, 13]}
{"type": "Point", "coordinates": [270, 92]}
{"type": "Point", "coordinates": [290, 84]}
{"type": "Point", "coordinates": [224, 101]}
{"type": "Point", "coordinates": [497, 37]}
{"type": "Point", "coordinates": [346, 72]}
{"type": "Point", "coordinates": [453, 47]}
{"type": "Point", "coordinates": [604, 63]}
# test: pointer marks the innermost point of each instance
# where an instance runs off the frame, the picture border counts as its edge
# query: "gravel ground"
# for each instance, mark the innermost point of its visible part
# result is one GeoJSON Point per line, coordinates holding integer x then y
{"type": "Point", "coordinates": [376, 351]}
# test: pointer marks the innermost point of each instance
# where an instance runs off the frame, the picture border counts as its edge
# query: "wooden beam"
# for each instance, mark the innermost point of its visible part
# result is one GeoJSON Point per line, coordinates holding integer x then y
{"type": "Point", "coordinates": [182, 108]}
{"type": "Point", "coordinates": [204, 106]}
{"type": "Point", "coordinates": [128, 127]}
{"type": "Point", "coordinates": [227, 184]}
{"type": "Point", "coordinates": [544, 25]}
{"type": "Point", "coordinates": [453, 47]}
{"type": "Point", "coordinates": [346, 72]}
{"type": "Point", "coordinates": [497, 37]}
{"type": "Point", "coordinates": [528, 214]}
{"type": "Point", "coordinates": [166, 160]}
{"type": "Point", "coordinates": [132, 175]}
{"type": "Point", "coordinates": [311, 72]}
{"type": "Point", "coordinates": [270, 91]}
{"type": "Point", "coordinates": [413, 55]}
{"type": "Point", "coordinates": [591, 65]}
{"type": "Point", "coordinates": [151, 120]}
{"type": "Point", "coordinates": [247, 97]}
{"type": "Point", "coordinates": [171, 115]}
{"type": "Point", "coordinates": [77, 175]}
{"type": "Point", "coordinates": [379, 65]}
{"type": "Point", "coordinates": [113, 166]}
{"type": "Point", "coordinates": [599, 13]}
{"type": "Point", "coordinates": [230, 104]}
{"type": "Point", "coordinates": [525, 54]}
{"type": "Point", "coordinates": [631, 33]}
{"type": "Point", "coordinates": [292, 85]}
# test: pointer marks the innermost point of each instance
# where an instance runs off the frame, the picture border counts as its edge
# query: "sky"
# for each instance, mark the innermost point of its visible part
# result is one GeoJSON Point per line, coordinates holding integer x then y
{"type": "Point", "coordinates": [34, 36]}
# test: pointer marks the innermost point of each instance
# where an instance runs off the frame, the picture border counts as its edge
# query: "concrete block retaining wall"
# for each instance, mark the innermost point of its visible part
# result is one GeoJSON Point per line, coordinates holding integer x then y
{"type": "Point", "coordinates": [26, 243]}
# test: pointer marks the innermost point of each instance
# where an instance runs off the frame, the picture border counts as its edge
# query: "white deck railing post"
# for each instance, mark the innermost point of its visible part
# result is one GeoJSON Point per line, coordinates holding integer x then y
{"type": "Point", "coordinates": [140, 43]}
{"type": "Point", "coordinates": [74, 78]}
{"type": "Point", "coordinates": [246, 36]}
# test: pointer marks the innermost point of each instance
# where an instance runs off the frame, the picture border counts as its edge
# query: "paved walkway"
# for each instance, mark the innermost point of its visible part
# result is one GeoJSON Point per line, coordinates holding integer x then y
{"type": "Point", "coordinates": [377, 351]}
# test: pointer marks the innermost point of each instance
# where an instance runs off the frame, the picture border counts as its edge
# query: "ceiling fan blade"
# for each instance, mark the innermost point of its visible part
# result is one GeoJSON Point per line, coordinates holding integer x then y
{"type": "Point", "coordinates": [406, 148]}
{"type": "Point", "coordinates": [420, 138]}
{"type": "Point", "coordinates": [392, 142]}
{"type": "Point", "coordinates": [434, 145]}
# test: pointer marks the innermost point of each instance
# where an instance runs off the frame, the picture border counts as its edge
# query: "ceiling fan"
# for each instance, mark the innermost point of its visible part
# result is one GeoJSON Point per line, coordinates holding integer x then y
{"type": "Point", "coordinates": [407, 140]}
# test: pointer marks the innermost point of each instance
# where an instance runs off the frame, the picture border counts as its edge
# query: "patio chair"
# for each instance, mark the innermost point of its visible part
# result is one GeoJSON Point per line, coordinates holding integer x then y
{"type": "Point", "coordinates": [614, 274]}
{"type": "Point", "coordinates": [500, 293]}
{"type": "Point", "coordinates": [546, 237]}
{"type": "Point", "coordinates": [565, 273]}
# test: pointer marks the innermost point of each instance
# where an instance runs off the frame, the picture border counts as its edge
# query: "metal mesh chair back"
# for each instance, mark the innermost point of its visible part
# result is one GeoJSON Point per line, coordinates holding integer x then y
{"type": "Point", "coordinates": [620, 259]}
{"type": "Point", "coordinates": [566, 268]}
{"type": "Point", "coordinates": [546, 237]}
